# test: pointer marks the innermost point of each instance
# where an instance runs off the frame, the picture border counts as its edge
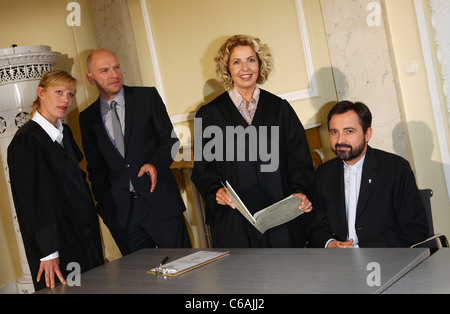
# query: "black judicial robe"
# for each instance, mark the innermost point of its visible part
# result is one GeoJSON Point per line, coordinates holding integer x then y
{"type": "Point", "coordinates": [53, 202]}
{"type": "Point", "coordinates": [256, 188]}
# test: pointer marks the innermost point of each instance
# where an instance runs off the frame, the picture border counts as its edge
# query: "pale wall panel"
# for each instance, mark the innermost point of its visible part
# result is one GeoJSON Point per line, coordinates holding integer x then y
{"type": "Point", "coordinates": [188, 34]}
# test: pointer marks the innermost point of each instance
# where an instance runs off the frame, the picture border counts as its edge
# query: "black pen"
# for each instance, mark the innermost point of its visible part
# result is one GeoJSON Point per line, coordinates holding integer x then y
{"type": "Point", "coordinates": [165, 260]}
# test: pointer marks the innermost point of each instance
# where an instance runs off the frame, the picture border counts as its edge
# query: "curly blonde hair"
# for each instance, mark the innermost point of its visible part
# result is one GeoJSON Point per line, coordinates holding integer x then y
{"type": "Point", "coordinates": [223, 58]}
{"type": "Point", "coordinates": [54, 78]}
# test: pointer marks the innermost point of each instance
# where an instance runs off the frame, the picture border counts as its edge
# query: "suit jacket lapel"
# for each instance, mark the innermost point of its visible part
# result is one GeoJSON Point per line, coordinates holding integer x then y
{"type": "Point", "coordinates": [68, 145]}
{"type": "Point", "coordinates": [339, 192]}
{"type": "Point", "coordinates": [232, 111]}
{"type": "Point", "coordinates": [368, 181]}
{"type": "Point", "coordinates": [264, 111]}
{"type": "Point", "coordinates": [261, 112]}
{"type": "Point", "coordinates": [130, 105]}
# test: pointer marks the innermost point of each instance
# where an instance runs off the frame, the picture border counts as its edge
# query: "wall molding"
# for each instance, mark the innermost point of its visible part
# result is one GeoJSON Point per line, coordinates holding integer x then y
{"type": "Point", "coordinates": [311, 92]}
{"type": "Point", "coordinates": [152, 47]}
{"type": "Point", "coordinates": [307, 50]}
{"type": "Point", "coordinates": [434, 91]}
{"type": "Point", "coordinates": [441, 24]}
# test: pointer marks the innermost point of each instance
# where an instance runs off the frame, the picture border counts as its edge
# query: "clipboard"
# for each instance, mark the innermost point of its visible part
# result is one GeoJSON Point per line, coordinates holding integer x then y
{"type": "Point", "coordinates": [187, 263]}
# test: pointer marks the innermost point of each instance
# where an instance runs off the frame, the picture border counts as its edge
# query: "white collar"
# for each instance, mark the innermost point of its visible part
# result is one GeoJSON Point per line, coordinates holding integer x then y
{"type": "Point", "coordinates": [239, 101]}
{"type": "Point", "coordinates": [55, 133]}
{"type": "Point", "coordinates": [120, 99]}
{"type": "Point", "coordinates": [357, 166]}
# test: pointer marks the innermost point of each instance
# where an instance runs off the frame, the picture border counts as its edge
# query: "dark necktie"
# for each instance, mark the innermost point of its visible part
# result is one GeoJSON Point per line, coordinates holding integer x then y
{"type": "Point", "coordinates": [117, 129]}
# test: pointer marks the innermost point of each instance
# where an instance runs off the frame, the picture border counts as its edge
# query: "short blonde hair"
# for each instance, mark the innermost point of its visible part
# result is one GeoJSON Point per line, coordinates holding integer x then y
{"type": "Point", "coordinates": [55, 78]}
{"type": "Point", "coordinates": [223, 58]}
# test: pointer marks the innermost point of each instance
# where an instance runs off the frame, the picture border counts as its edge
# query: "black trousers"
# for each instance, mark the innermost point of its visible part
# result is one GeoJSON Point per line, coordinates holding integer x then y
{"type": "Point", "coordinates": [142, 232]}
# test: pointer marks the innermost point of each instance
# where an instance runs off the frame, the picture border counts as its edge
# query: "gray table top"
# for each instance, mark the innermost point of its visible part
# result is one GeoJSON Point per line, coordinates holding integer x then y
{"type": "Point", "coordinates": [253, 271]}
{"type": "Point", "coordinates": [431, 276]}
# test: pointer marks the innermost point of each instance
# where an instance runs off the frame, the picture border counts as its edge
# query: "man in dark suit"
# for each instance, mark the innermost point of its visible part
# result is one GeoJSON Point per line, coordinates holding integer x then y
{"type": "Point", "coordinates": [127, 141]}
{"type": "Point", "coordinates": [365, 197]}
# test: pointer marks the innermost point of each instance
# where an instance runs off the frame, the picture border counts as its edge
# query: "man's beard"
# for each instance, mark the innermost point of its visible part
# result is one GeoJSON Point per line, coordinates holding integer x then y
{"type": "Point", "coordinates": [351, 154]}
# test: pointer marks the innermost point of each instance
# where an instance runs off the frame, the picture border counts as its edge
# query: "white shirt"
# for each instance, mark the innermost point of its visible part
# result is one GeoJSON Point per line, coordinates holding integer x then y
{"type": "Point", "coordinates": [352, 173]}
{"type": "Point", "coordinates": [56, 135]}
{"type": "Point", "coordinates": [349, 172]}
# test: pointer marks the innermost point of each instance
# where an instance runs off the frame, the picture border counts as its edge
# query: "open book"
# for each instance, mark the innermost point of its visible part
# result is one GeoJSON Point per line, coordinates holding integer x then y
{"type": "Point", "coordinates": [269, 217]}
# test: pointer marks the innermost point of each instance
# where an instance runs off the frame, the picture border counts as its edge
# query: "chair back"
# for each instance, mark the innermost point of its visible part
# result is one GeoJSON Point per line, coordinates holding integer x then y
{"type": "Point", "coordinates": [426, 195]}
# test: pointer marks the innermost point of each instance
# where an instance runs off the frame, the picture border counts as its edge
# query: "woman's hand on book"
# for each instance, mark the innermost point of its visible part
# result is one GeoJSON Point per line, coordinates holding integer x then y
{"type": "Point", "coordinates": [223, 198]}
{"type": "Point", "coordinates": [305, 205]}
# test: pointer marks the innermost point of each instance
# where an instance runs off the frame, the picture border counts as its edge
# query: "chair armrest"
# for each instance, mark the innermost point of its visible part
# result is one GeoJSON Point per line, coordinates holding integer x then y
{"type": "Point", "coordinates": [440, 239]}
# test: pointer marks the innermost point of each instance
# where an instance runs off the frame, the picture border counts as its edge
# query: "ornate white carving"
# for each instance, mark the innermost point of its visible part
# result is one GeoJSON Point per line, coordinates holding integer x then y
{"type": "Point", "coordinates": [26, 63]}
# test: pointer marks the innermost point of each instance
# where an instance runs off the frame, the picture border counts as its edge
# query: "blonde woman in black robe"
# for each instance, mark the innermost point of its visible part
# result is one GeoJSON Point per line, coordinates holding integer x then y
{"type": "Point", "coordinates": [268, 163]}
{"type": "Point", "coordinates": [55, 210]}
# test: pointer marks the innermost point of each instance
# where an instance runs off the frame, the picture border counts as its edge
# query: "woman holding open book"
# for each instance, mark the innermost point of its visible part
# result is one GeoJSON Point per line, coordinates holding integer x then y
{"type": "Point", "coordinates": [253, 140]}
